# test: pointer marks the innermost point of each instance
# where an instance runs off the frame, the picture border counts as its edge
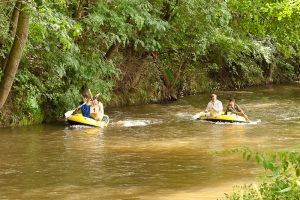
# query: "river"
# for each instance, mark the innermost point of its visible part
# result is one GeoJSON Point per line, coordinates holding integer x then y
{"type": "Point", "coordinates": [149, 152]}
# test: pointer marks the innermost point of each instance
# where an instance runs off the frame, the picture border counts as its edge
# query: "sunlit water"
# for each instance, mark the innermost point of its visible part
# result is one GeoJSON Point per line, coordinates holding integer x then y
{"type": "Point", "coordinates": [148, 152]}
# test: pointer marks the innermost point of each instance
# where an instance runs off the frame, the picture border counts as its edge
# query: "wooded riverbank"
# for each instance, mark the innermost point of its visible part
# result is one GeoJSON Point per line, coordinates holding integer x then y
{"type": "Point", "coordinates": [136, 52]}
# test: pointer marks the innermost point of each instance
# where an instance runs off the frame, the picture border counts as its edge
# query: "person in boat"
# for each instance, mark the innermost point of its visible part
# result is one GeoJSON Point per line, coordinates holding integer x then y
{"type": "Point", "coordinates": [85, 105]}
{"type": "Point", "coordinates": [232, 107]}
{"type": "Point", "coordinates": [98, 108]}
{"type": "Point", "coordinates": [215, 106]}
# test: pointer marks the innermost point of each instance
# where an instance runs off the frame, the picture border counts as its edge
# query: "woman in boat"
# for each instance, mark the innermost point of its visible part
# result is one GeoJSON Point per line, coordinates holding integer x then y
{"type": "Point", "coordinates": [232, 107]}
{"type": "Point", "coordinates": [98, 108]}
{"type": "Point", "coordinates": [215, 107]}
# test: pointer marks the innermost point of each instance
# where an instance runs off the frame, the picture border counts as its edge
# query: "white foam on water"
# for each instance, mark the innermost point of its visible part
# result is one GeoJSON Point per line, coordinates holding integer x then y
{"type": "Point", "coordinates": [80, 126]}
{"type": "Point", "coordinates": [132, 123]}
{"type": "Point", "coordinates": [136, 123]}
{"type": "Point", "coordinates": [290, 118]}
{"type": "Point", "coordinates": [255, 122]}
{"type": "Point", "coordinates": [184, 114]}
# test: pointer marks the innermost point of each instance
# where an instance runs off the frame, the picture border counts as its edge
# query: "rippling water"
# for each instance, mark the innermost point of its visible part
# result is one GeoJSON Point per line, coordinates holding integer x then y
{"type": "Point", "coordinates": [148, 152]}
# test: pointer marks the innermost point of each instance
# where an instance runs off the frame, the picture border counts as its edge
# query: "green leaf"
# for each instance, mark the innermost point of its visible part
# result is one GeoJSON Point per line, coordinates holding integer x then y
{"type": "Point", "coordinates": [248, 157]}
{"type": "Point", "coordinates": [286, 190]}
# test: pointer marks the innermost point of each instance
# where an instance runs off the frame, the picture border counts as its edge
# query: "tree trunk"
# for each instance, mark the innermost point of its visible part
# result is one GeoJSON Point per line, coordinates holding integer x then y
{"type": "Point", "coordinates": [167, 11]}
{"type": "Point", "coordinates": [167, 83]}
{"type": "Point", "coordinates": [14, 19]}
{"type": "Point", "coordinates": [271, 74]}
{"type": "Point", "coordinates": [12, 29]}
{"type": "Point", "coordinates": [112, 51]}
{"type": "Point", "coordinates": [15, 55]}
{"type": "Point", "coordinates": [78, 11]}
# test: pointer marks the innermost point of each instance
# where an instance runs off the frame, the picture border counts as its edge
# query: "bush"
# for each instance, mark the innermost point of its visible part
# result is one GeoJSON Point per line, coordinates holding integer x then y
{"type": "Point", "coordinates": [281, 180]}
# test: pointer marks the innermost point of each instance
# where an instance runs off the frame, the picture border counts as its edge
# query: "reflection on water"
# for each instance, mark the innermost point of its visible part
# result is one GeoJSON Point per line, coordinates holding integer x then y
{"type": "Point", "coordinates": [148, 152]}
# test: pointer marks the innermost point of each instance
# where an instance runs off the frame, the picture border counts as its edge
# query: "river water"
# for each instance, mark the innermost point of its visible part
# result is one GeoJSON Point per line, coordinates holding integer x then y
{"type": "Point", "coordinates": [148, 152]}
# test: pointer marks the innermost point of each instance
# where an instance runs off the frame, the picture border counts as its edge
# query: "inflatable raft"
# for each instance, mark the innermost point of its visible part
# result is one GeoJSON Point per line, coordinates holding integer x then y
{"type": "Point", "coordinates": [231, 118]}
{"type": "Point", "coordinates": [79, 119]}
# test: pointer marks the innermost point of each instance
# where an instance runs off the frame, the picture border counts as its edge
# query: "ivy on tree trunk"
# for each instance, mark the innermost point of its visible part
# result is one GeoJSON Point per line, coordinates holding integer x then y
{"type": "Point", "coordinates": [15, 54]}
{"type": "Point", "coordinates": [12, 29]}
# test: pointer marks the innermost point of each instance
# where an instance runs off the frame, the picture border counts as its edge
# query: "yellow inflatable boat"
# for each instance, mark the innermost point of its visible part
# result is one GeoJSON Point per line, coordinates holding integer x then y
{"type": "Point", "coordinates": [231, 118]}
{"type": "Point", "coordinates": [79, 119]}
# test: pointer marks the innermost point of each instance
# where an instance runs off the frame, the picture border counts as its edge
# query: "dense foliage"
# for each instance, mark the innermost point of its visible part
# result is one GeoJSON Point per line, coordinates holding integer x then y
{"type": "Point", "coordinates": [143, 51]}
{"type": "Point", "coordinates": [280, 180]}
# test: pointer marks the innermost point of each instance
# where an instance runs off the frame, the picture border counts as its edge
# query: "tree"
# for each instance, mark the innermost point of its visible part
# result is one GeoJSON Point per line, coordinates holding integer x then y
{"type": "Point", "coordinates": [193, 26]}
{"type": "Point", "coordinates": [15, 52]}
{"type": "Point", "coordinates": [276, 20]}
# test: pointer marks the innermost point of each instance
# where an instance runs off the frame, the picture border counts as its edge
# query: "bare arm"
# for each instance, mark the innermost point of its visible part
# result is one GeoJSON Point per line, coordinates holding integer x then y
{"type": "Point", "coordinates": [100, 111]}
{"type": "Point", "coordinates": [208, 106]}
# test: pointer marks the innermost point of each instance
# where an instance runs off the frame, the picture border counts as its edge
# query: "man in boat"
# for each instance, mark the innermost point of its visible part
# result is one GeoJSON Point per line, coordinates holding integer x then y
{"type": "Point", "coordinates": [85, 105]}
{"type": "Point", "coordinates": [232, 107]}
{"type": "Point", "coordinates": [215, 107]}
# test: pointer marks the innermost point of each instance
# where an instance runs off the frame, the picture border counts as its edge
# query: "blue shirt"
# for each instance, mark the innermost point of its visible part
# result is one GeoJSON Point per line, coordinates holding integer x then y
{"type": "Point", "coordinates": [85, 110]}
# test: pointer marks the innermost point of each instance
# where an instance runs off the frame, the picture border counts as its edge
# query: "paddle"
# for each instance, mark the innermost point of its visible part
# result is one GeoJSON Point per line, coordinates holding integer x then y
{"type": "Point", "coordinates": [198, 115]}
{"type": "Point", "coordinates": [246, 117]}
{"type": "Point", "coordinates": [70, 112]}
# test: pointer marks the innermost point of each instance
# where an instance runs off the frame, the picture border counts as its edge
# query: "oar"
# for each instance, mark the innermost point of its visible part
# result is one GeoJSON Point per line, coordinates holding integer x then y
{"type": "Point", "coordinates": [70, 112]}
{"type": "Point", "coordinates": [198, 115]}
{"type": "Point", "coordinates": [246, 117]}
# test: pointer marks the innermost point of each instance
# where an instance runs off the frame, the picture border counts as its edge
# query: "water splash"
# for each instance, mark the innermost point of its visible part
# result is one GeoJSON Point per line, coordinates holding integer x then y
{"type": "Point", "coordinates": [77, 127]}
{"type": "Point", "coordinates": [132, 123]}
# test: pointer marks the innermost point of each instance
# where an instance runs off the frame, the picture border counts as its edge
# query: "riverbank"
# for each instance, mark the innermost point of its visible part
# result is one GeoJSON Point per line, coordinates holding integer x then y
{"type": "Point", "coordinates": [10, 117]}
